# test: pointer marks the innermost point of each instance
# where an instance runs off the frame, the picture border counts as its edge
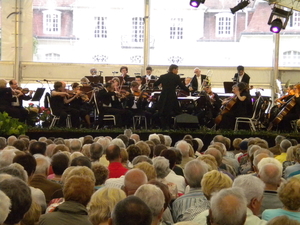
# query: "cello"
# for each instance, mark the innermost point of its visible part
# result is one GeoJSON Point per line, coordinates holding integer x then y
{"type": "Point", "coordinates": [226, 108]}
{"type": "Point", "coordinates": [283, 112]}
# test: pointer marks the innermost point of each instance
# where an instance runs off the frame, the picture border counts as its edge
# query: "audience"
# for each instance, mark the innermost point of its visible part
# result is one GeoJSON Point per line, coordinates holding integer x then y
{"type": "Point", "coordinates": [164, 182]}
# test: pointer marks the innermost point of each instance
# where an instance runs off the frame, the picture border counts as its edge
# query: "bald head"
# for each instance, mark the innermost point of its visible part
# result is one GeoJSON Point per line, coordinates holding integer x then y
{"type": "Point", "coordinates": [134, 178]}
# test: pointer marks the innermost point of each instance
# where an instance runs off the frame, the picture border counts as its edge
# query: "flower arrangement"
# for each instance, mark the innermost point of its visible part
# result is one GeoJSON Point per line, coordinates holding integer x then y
{"type": "Point", "coordinates": [10, 126]}
{"type": "Point", "coordinates": [37, 114]}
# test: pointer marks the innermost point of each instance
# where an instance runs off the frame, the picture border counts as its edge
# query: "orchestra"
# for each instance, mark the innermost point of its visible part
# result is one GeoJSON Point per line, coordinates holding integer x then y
{"type": "Point", "coordinates": [124, 97]}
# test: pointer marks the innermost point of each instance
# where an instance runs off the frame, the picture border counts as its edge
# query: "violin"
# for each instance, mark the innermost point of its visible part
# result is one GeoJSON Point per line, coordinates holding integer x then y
{"type": "Point", "coordinates": [24, 90]}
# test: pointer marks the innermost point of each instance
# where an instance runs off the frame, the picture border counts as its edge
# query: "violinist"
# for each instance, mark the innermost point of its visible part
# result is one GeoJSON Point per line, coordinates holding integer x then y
{"type": "Point", "coordinates": [141, 86]}
{"type": "Point", "coordinates": [109, 104]}
{"type": "Point", "coordinates": [59, 102]}
{"type": "Point", "coordinates": [18, 96]}
{"type": "Point", "coordinates": [241, 108]}
{"type": "Point", "coordinates": [6, 100]}
{"type": "Point", "coordinates": [294, 110]}
{"type": "Point", "coordinates": [81, 103]}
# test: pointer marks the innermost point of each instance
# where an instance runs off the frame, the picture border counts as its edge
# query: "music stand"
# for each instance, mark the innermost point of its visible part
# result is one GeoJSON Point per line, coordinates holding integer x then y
{"type": "Point", "coordinates": [95, 79]}
{"type": "Point", "coordinates": [38, 94]}
{"type": "Point", "coordinates": [228, 86]}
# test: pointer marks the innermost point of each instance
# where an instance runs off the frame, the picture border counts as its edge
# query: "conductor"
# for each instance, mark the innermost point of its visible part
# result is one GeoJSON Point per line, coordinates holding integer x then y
{"type": "Point", "coordinates": [168, 105]}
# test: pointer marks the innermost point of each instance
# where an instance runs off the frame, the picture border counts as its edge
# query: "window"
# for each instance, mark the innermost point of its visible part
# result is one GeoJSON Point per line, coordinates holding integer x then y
{"type": "Point", "coordinates": [51, 22]}
{"type": "Point", "coordinates": [52, 57]}
{"type": "Point", "coordinates": [176, 28]}
{"type": "Point", "coordinates": [295, 20]}
{"type": "Point", "coordinates": [224, 25]}
{"type": "Point", "coordinates": [100, 27]}
{"type": "Point", "coordinates": [137, 29]}
{"type": "Point", "coordinates": [291, 58]}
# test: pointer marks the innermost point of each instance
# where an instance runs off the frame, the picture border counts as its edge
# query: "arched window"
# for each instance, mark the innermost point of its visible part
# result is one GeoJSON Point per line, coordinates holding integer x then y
{"type": "Point", "coordinates": [51, 22]}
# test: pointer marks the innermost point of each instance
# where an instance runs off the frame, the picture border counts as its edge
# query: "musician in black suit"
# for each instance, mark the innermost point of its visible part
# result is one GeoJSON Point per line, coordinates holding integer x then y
{"type": "Point", "coordinates": [18, 97]}
{"type": "Point", "coordinates": [149, 75]}
{"type": "Point", "coordinates": [109, 103]}
{"type": "Point", "coordinates": [59, 102]}
{"type": "Point", "coordinates": [124, 75]}
{"type": "Point", "coordinates": [6, 97]}
{"type": "Point", "coordinates": [197, 82]}
{"type": "Point", "coordinates": [241, 76]}
{"type": "Point", "coordinates": [168, 105]}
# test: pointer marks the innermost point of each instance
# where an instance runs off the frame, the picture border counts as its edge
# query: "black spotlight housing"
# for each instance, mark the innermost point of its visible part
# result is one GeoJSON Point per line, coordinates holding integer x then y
{"type": "Point", "coordinates": [196, 3]}
{"type": "Point", "coordinates": [276, 25]}
{"type": "Point", "coordinates": [239, 6]}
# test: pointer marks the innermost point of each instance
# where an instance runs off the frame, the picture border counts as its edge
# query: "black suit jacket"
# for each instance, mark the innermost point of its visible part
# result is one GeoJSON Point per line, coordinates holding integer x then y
{"type": "Point", "coordinates": [246, 78]}
{"type": "Point", "coordinates": [168, 100]}
{"type": "Point", "coordinates": [194, 82]}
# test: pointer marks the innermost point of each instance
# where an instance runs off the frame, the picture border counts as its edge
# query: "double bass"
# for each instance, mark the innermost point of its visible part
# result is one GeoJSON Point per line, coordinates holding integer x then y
{"type": "Point", "coordinates": [283, 112]}
{"type": "Point", "coordinates": [226, 108]}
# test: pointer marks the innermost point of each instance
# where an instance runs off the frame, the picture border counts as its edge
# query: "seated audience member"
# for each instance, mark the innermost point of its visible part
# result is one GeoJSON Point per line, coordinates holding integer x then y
{"type": "Point", "coordinates": [172, 176]}
{"type": "Point", "coordinates": [101, 174]}
{"type": "Point", "coordinates": [133, 151]}
{"type": "Point", "coordinates": [96, 151]}
{"type": "Point", "coordinates": [167, 216]}
{"type": "Point", "coordinates": [214, 181]}
{"type": "Point", "coordinates": [133, 179]}
{"type": "Point", "coordinates": [59, 162]}
{"type": "Point", "coordinates": [271, 175]}
{"type": "Point", "coordinates": [155, 200]}
{"type": "Point", "coordinates": [148, 169]}
{"type": "Point", "coordinates": [276, 150]}
{"type": "Point", "coordinates": [280, 220]}
{"type": "Point", "coordinates": [131, 211]}
{"type": "Point", "coordinates": [292, 170]}
{"type": "Point", "coordinates": [187, 206]}
{"type": "Point", "coordinates": [38, 148]}
{"type": "Point", "coordinates": [115, 167]}
{"type": "Point", "coordinates": [183, 147]}
{"type": "Point", "coordinates": [102, 204]}
{"type": "Point", "coordinates": [81, 161]}
{"type": "Point", "coordinates": [228, 206]}
{"type": "Point", "coordinates": [29, 164]}
{"type": "Point", "coordinates": [20, 197]}
{"type": "Point", "coordinates": [284, 145]}
{"type": "Point", "coordinates": [289, 195]}
{"type": "Point", "coordinates": [290, 157]}
{"type": "Point", "coordinates": [73, 210]}
{"type": "Point", "coordinates": [32, 216]}
{"type": "Point", "coordinates": [39, 179]}
{"type": "Point", "coordinates": [5, 205]}
{"type": "Point", "coordinates": [253, 189]}
{"type": "Point", "coordinates": [162, 168]}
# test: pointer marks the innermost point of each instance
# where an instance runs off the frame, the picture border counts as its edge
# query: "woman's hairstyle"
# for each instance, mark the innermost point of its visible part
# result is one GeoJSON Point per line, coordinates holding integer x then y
{"type": "Point", "coordinates": [288, 193]}
{"type": "Point", "coordinates": [102, 204]}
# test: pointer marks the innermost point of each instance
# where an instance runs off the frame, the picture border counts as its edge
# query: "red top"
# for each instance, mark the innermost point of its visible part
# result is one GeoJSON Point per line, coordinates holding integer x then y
{"type": "Point", "coordinates": [116, 169]}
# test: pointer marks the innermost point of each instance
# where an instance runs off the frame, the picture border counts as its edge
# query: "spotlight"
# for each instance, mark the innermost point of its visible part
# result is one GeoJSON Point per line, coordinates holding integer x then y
{"type": "Point", "coordinates": [196, 3]}
{"type": "Point", "coordinates": [281, 19]}
{"type": "Point", "coordinates": [239, 6]}
{"type": "Point", "coordinates": [276, 25]}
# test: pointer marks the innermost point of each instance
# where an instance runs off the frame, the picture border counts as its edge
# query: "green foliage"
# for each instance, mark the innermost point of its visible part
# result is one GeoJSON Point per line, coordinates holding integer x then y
{"type": "Point", "coordinates": [10, 126]}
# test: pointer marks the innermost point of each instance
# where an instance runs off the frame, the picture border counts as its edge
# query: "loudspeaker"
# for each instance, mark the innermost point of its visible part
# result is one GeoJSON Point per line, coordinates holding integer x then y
{"type": "Point", "coordinates": [186, 121]}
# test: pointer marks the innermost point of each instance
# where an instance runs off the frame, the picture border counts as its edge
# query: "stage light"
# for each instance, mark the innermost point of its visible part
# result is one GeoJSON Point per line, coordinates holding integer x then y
{"type": "Point", "coordinates": [239, 6]}
{"type": "Point", "coordinates": [281, 19]}
{"type": "Point", "coordinates": [196, 3]}
{"type": "Point", "coordinates": [276, 25]}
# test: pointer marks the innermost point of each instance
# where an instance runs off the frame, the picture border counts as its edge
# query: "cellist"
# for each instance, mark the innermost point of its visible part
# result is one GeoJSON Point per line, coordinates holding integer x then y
{"type": "Point", "coordinates": [241, 108]}
{"type": "Point", "coordinates": [294, 111]}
